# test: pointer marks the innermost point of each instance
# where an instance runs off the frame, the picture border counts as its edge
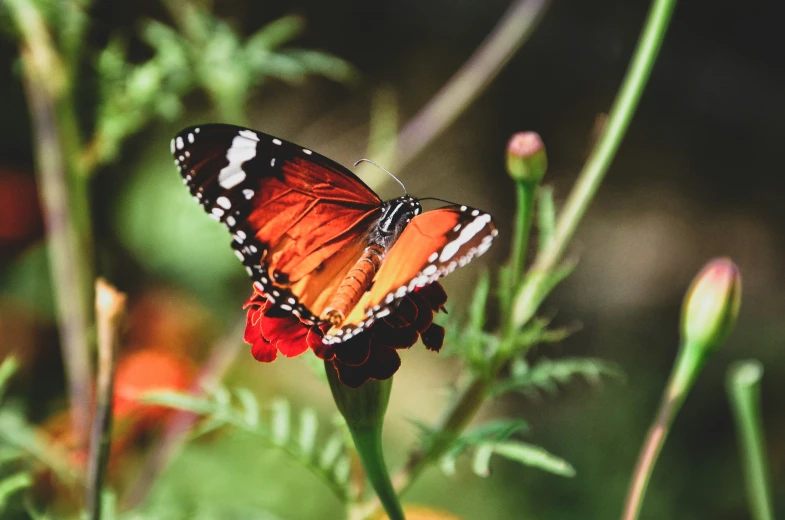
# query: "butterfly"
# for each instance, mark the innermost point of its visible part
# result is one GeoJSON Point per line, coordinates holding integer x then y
{"type": "Point", "coordinates": [317, 241]}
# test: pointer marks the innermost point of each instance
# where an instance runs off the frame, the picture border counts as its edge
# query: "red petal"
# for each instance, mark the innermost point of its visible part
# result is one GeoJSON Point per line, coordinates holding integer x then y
{"type": "Point", "coordinates": [433, 337]}
{"type": "Point", "coordinates": [435, 295]}
{"type": "Point", "coordinates": [424, 312]}
{"type": "Point", "coordinates": [286, 332]}
{"type": "Point", "coordinates": [403, 315]}
{"type": "Point", "coordinates": [387, 336]}
{"type": "Point", "coordinates": [314, 341]}
{"type": "Point", "coordinates": [354, 351]}
{"type": "Point", "coordinates": [381, 364]}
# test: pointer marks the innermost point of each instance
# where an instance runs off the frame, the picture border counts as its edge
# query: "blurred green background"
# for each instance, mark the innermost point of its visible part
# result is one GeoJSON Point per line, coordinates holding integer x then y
{"type": "Point", "coordinates": [699, 175]}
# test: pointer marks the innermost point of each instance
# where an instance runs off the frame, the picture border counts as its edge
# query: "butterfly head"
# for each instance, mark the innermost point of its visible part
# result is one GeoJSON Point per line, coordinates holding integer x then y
{"type": "Point", "coordinates": [396, 214]}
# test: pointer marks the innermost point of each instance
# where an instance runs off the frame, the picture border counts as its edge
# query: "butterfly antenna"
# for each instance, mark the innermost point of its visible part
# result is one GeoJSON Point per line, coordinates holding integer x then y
{"type": "Point", "coordinates": [440, 200]}
{"type": "Point", "coordinates": [385, 171]}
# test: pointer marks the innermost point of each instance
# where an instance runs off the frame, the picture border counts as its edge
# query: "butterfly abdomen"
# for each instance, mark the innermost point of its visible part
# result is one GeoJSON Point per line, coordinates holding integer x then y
{"type": "Point", "coordinates": [357, 281]}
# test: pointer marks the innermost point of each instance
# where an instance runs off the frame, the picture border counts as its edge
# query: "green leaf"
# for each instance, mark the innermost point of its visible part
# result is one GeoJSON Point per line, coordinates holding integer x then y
{"type": "Point", "coordinates": [7, 369]}
{"type": "Point", "coordinates": [281, 421]}
{"type": "Point", "coordinates": [493, 431]}
{"type": "Point", "coordinates": [12, 484]}
{"type": "Point", "coordinates": [179, 401]}
{"type": "Point", "coordinates": [534, 456]}
{"type": "Point", "coordinates": [308, 426]}
{"type": "Point", "coordinates": [332, 450]}
{"type": "Point", "coordinates": [249, 406]}
{"type": "Point", "coordinates": [327, 65]}
{"type": "Point", "coordinates": [482, 459]}
{"type": "Point", "coordinates": [547, 374]}
{"type": "Point", "coordinates": [273, 35]}
{"type": "Point", "coordinates": [546, 216]}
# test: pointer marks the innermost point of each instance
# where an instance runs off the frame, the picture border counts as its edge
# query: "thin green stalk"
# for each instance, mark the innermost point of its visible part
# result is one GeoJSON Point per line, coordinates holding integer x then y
{"type": "Point", "coordinates": [743, 385]}
{"type": "Point", "coordinates": [523, 223]}
{"type": "Point", "coordinates": [512, 31]}
{"type": "Point", "coordinates": [673, 397]}
{"type": "Point", "coordinates": [529, 298]}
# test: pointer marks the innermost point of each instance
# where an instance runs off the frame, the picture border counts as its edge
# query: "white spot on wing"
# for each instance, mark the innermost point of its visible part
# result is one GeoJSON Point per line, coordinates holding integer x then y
{"type": "Point", "coordinates": [433, 257]}
{"type": "Point", "coordinates": [179, 142]}
{"type": "Point", "coordinates": [248, 193]}
{"type": "Point", "coordinates": [218, 212]}
{"type": "Point", "coordinates": [467, 234]}
{"type": "Point", "coordinates": [243, 149]}
{"type": "Point", "coordinates": [190, 137]}
{"type": "Point", "coordinates": [307, 151]}
{"type": "Point", "coordinates": [224, 202]}
{"type": "Point", "coordinates": [277, 142]}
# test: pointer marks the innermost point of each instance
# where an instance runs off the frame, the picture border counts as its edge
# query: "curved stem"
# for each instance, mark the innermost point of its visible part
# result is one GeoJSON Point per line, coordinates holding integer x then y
{"type": "Point", "coordinates": [368, 442]}
{"type": "Point", "coordinates": [528, 299]}
{"type": "Point", "coordinates": [744, 394]}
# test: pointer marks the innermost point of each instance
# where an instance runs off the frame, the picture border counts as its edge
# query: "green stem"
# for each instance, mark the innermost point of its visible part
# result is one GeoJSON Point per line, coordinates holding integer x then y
{"type": "Point", "coordinates": [528, 299]}
{"type": "Point", "coordinates": [368, 442]}
{"type": "Point", "coordinates": [743, 385]}
{"type": "Point", "coordinates": [523, 220]}
{"type": "Point", "coordinates": [531, 294]}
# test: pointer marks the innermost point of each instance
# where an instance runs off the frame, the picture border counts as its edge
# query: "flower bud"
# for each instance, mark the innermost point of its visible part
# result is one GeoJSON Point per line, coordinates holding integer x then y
{"type": "Point", "coordinates": [526, 157]}
{"type": "Point", "coordinates": [711, 305]}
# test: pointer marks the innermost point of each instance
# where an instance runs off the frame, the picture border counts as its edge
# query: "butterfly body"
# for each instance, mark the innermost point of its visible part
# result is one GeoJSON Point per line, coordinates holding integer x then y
{"type": "Point", "coordinates": [316, 240]}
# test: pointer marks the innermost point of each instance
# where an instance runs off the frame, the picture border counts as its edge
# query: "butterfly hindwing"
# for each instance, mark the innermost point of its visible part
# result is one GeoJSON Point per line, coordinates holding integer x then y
{"type": "Point", "coordinates": [433, 245]}
{"type": "Point", "coordinates": [298, 219]}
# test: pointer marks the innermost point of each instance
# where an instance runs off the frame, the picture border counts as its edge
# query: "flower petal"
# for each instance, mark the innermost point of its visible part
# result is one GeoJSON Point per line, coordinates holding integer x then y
{"type": "Point", "coordinates": [354, 351]}
{"type": "Point", "coordinates": [405, 314]}
{"type": "Point", "coordinates": [382, 364]}
{"type": "Point", "coordinates": [433, 337]}
{"type": "Point", "coordinates": [385, 335]}
{"type": "Point", "coordinates": [285, 332]}
{"type": "Point", "coordinates": [435, 295]}
{"type": "Point", "coordinates": [424, 312]}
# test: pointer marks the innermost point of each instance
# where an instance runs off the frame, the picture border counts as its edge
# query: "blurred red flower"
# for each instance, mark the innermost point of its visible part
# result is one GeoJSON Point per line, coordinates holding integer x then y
{"type": "Point", "coordinates": [369, 355]}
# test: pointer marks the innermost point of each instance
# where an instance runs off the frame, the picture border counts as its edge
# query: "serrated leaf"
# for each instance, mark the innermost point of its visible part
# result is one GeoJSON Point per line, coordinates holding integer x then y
{"type": "Point", "coordinates": [249, 406]}
{"type": "Point", "coordinates": [546, 216]}
{"type": "Point", "coordinates": [547, 374]}
{"type": "Point", "coordinates": [535, 456]}
{"type": "Point", "coordinates": [208, 425]}
{"type": "Point", "coordinates": [492, 431]}
{"type": "Point", "coordinates": [332, 450]}
{"type": "Point", "coordinates": [222, 398]}
{"type": "Point", "coordinates": [281, 422]}
{"type": "Point", "coordinates": [12, 484]}
{"type": "Point", "coordinates": [482, 459]}
{"type": "Point", "coordinates": [308, 426]}
{"type": "Point", "coordinates": [179, 401]}
{"type": "Point", "coordinates": [341, 469]}
{"type": "Point", "coordinates": [274, 34]}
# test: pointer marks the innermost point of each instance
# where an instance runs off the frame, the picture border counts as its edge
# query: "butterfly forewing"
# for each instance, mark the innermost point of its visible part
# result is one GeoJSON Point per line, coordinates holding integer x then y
{"type": "Point", "coordinates": [298, 219]}
{"type": "Point", "coordinates": [434, 244]}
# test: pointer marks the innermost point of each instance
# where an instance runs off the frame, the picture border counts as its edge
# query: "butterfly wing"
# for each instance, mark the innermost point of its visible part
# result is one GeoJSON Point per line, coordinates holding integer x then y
{"type": "Point", "coordinates": [433, 245]}
{"type": "Point", "coordinates": [298, 219]}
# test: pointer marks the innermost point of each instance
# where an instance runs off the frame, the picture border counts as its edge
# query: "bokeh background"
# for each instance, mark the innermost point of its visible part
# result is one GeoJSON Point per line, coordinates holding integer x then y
{"type": "Point", "coordinates": [699, 175]}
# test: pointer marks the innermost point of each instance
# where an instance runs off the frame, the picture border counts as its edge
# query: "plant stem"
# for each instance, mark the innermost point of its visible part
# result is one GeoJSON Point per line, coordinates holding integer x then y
{"type": "Point", "coordinates": [743, 385]}
{"type": "Point", "coordinates": [638, 73]}
{"type": "Point", "coordinates": [512, 31]}
{"type": "Point", "coordinates": [368, 442]}
{"type": "Point", "coordinates": [110, 307]}
{"type": "Point", "coordinates": [523, 221]}
{"type": "Point", "coordinates": [528, 300]}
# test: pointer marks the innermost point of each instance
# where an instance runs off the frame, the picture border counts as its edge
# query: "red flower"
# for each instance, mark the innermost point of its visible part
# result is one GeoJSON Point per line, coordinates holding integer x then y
{"type": "Point", "coordinates": [369, 355]}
